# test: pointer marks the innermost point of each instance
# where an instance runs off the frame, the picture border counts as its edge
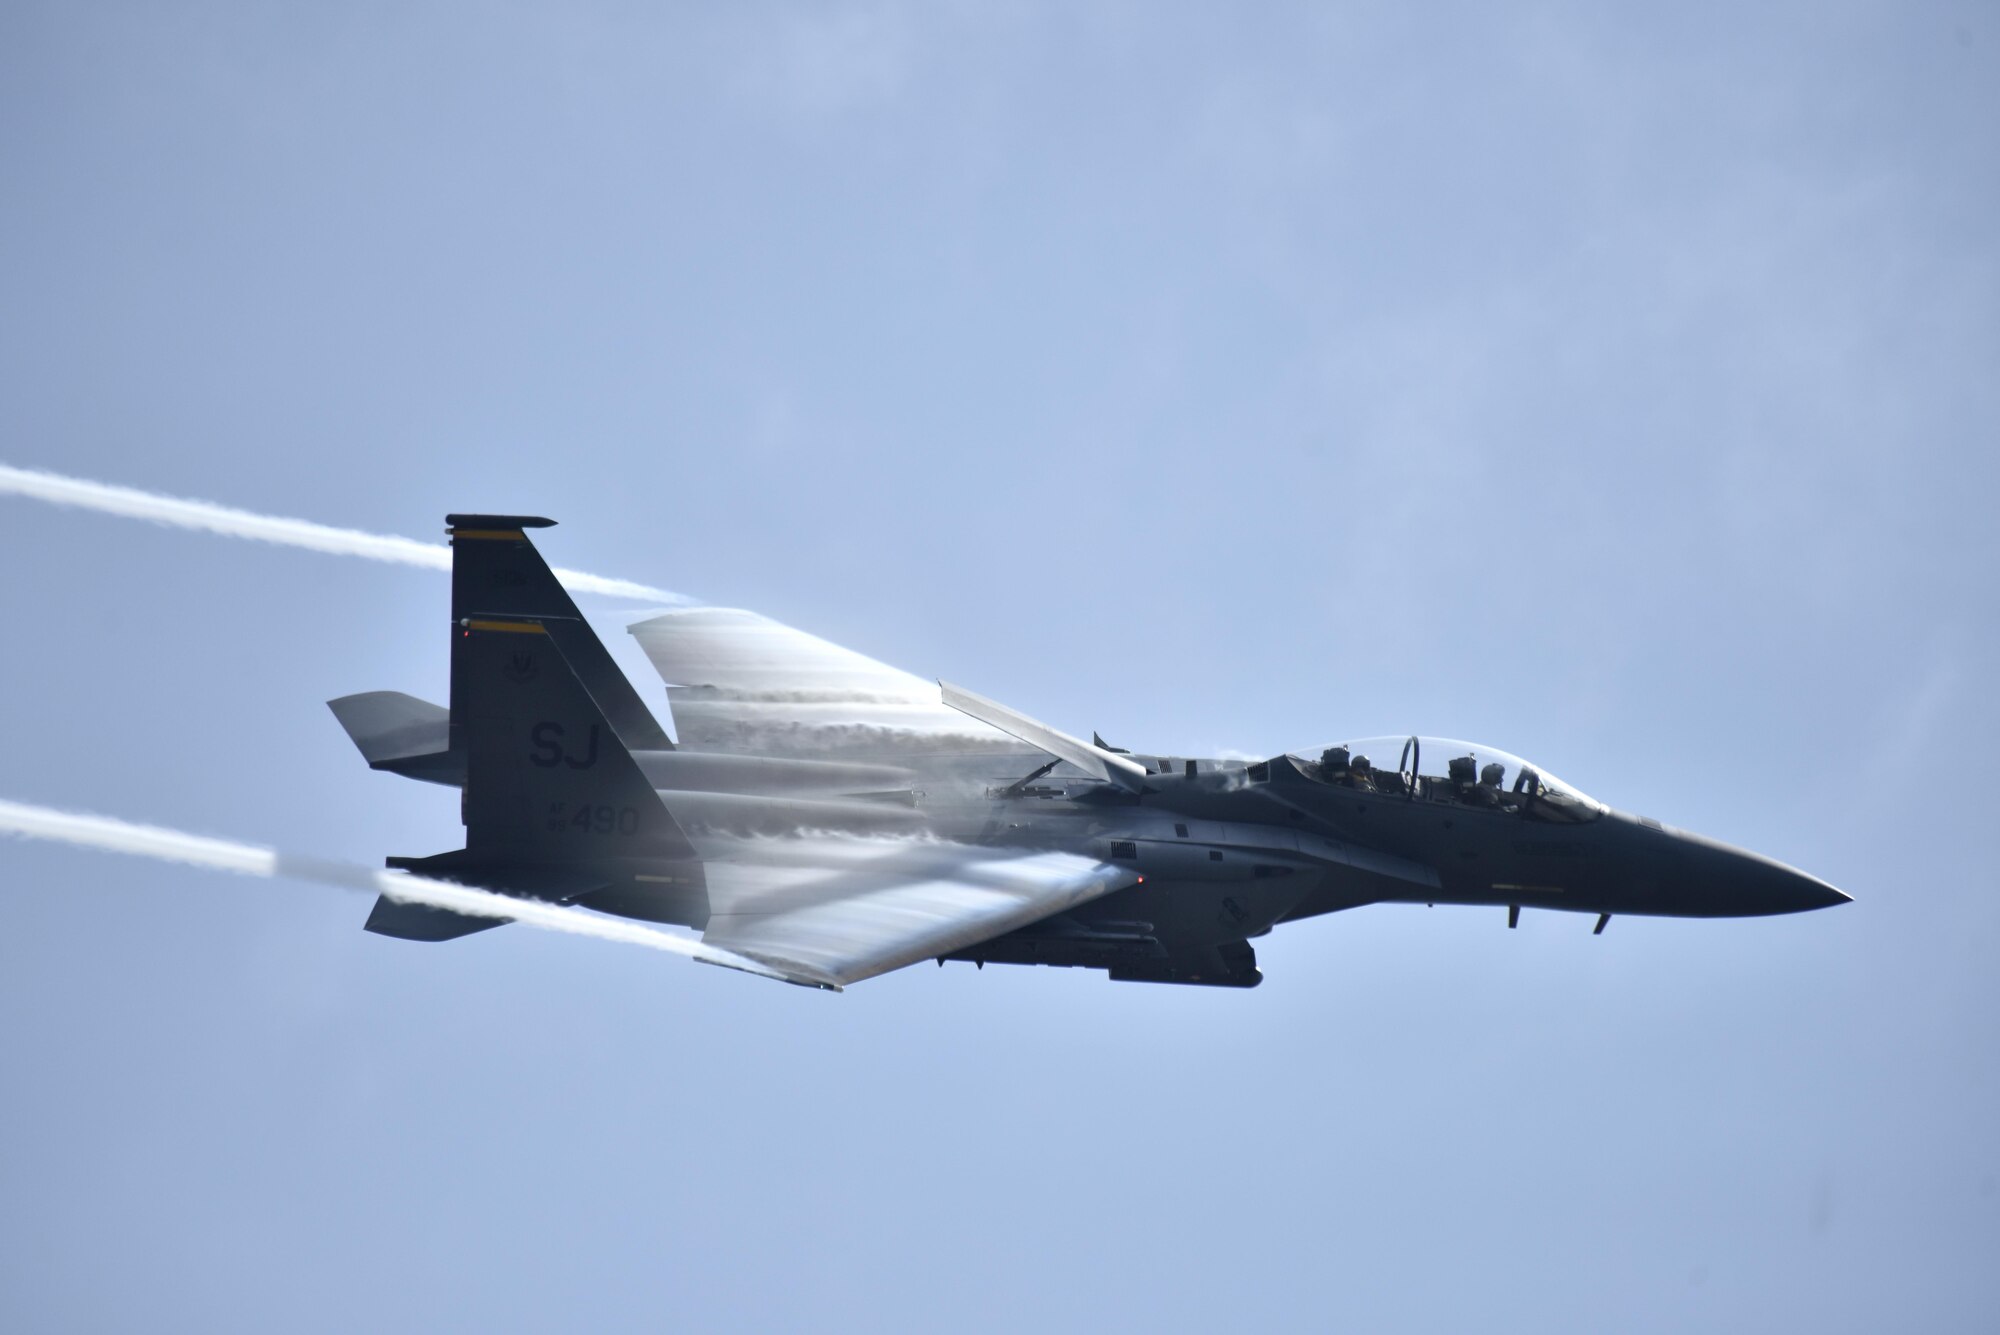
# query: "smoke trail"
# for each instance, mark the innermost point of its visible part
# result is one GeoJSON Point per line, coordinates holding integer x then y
{"type": "Point", "coordinates": [117, 836]}
{"type": "Point", "coordinates": [132, 504]}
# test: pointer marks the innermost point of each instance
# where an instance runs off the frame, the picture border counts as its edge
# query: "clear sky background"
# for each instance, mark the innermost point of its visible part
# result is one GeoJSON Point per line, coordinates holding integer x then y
{"type": "Point", "coordinates": [1615, 385]}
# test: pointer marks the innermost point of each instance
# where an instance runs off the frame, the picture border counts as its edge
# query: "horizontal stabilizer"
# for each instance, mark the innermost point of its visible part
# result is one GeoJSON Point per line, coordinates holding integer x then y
{"type": "Point", "coordinates": [421, 922]}
{"type": "Point", "coordinates": [401, 734]}
{"type": "Point", "coordinates": [388, 725]}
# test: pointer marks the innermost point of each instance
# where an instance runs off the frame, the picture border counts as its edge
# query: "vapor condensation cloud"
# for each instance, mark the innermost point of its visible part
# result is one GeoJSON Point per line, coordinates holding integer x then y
{"type": "Point", "coordinates": [152, 841]}
{"type": "Point", "coordinates": [131, 503]}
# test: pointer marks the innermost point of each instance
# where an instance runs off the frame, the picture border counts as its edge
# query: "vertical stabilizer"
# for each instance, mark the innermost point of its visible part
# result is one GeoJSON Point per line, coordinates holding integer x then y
{"type": "Point", "coordinates": [547, 779]}
{"type": "Point", "coordinates": [541, 726]}
{"type": "Point", "coordinates": [496, 572]}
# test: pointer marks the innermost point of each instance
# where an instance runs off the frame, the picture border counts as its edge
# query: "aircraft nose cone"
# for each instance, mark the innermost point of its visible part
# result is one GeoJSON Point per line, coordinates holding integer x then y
{"type": "Point", "coordinates": [1738, 881]}
{"type": "Point", "coordinates": [1790, 890]}
{"type": "Point", "coordinates": [1810, 892]}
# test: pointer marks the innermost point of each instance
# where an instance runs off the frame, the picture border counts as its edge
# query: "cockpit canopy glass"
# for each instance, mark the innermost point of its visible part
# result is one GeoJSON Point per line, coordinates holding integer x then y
{"type": "Point", "coordinates": [1441, 769]}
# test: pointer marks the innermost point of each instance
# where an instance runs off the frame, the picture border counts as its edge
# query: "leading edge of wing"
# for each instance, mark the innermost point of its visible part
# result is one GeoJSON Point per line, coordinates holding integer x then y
{"type": "Point", "coordinates": [1091, 759]}
{"type": "Point", "coordinates": [741, 682]}
{"type": "Point", "coordinates": [835, 910]}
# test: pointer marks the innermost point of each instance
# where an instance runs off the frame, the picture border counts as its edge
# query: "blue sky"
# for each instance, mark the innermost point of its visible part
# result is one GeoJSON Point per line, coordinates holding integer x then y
{"type": "Point", "coordinates": [1612, 385]}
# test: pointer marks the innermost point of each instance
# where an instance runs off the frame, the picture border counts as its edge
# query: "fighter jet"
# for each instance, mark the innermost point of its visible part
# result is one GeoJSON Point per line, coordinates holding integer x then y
{"type": "Point", "coordinates": [832, 818]}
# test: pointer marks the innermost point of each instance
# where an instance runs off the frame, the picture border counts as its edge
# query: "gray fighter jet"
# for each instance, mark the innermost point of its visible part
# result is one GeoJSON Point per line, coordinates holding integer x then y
{"type": "Point", "coordinates": [833, 818]}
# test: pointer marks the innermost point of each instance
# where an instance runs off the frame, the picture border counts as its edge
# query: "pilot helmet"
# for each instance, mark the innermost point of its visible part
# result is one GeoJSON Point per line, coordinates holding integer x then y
{"type": "Point", "coordinates": [1492, 774]}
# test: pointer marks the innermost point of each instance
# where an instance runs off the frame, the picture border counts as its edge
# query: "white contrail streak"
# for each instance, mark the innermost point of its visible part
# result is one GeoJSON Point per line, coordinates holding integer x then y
{"type": "Point", "coordinates": [152, 841]}
{"type": "Point", "coordinates": [105, 498]}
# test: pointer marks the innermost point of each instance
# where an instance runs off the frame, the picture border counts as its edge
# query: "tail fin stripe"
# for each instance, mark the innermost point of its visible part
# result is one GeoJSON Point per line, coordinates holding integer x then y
{"type": "Point", "coordinates": [507, 627]}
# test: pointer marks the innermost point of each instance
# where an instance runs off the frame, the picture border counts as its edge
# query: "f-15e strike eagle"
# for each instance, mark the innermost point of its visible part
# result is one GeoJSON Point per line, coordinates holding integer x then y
{"type": "Point", "coordinates": [832, 818]}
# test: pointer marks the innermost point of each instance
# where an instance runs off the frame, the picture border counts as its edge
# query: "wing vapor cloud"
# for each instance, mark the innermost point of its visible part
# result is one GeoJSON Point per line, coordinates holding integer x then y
{"type": "Point", "coordinates": [207, 517]}
{"type": "Point", "coordinates": [740, 682]}
{"type": "Point", "coordinates": [111, 835]}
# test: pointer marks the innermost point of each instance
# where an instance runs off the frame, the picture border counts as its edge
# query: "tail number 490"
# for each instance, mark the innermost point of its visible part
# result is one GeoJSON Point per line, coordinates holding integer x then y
{"type": "Point", "coordinates": [592, 818]}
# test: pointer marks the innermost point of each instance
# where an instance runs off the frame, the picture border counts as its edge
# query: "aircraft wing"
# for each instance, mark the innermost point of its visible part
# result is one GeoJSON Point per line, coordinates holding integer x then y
{"type": "Point", "coordinates": [828, 911]}
{"type": "Point", "coordinates": [740, 682]}
{"type": "Point", "coordinates": [1088, 757]}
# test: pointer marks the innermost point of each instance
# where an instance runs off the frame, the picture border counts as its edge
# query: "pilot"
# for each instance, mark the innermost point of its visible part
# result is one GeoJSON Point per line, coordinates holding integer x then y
{"type": "Point", "coordinates": [1361, 774]}
{"type": "Point", "coordinates": [1333, 764]}
{"type": "Point", "coordinates": [1485, 793]}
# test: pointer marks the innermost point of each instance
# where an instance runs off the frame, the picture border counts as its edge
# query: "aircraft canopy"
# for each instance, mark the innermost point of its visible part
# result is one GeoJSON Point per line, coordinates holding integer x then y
{"type": "Point", "coordinates": [1443, 769]}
